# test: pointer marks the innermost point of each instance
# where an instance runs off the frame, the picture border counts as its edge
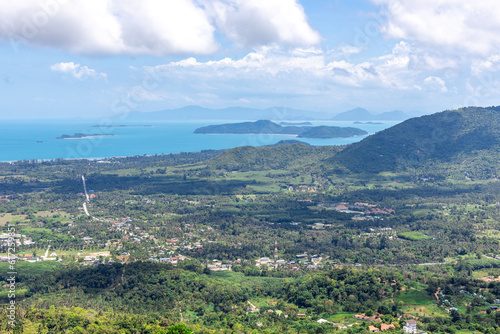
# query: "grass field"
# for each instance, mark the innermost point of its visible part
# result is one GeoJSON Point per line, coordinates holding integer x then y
{"type": "Point", "coordinates": [7, 217]}
{"type": "Point", "coordinates": [413, 236]}
{"type": "Point", "coordinates": [343, 317]}
{"type": "Point", "coordinates": [417, 301]}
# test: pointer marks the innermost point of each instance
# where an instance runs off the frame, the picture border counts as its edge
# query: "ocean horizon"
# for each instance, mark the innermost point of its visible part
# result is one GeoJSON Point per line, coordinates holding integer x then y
{"type": "Point", "coordinates": [26, 140]}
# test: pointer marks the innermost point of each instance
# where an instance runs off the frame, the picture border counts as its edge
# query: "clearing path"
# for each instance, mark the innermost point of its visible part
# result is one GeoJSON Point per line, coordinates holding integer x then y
{"type": "Point", "coordinates": [437, 292]}
{"type": "Point", "coordinates": [253, 307]}
{"type": "Point", "coordinates": [85, 209]}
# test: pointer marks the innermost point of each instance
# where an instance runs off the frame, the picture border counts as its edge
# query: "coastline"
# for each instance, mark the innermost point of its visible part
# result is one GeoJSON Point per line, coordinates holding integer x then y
{"type": "Point", "coordinates": [87, 137]}
{"type": "Point", "coordinates": [279, 134]}
{"type": "Point", "coordinates": [256, 133]}
{"type": "Point", "coordinates": [18, 141]}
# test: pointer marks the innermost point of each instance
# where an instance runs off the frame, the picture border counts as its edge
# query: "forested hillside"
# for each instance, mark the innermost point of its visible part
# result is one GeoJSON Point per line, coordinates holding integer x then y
{"type": "Point", "coordinates": [432, 141]}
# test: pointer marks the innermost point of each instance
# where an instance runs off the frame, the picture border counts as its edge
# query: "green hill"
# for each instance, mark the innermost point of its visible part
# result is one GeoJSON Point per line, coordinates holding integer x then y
{"type": "Point", "coordinates": [272, 157]}
{"type": "Point", "coordinates": [469, 137]}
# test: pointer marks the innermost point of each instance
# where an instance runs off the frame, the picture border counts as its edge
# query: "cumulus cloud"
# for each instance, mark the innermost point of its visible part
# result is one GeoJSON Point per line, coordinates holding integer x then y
{"type": "Point", "coordinates": [109, 26]}
{"type": "Point", "coordinates": [311, 68]}
{"type": "Point", "coordinates": [349, 50]}
{"type": "Point", "coordinates": [436, 84]}
{"type": "Point", "coordinates": [153, 27]}
{"type": "Point", "coordinates": [265, 60]}
{"type": "Point", "coordinates": [263, 22]}
{"type": "Point", "coordinates": [450, 25]}
{"type": "Point", "coordinates": [490, 64]}
{"type": "Point", "coordinates": [77, 71]}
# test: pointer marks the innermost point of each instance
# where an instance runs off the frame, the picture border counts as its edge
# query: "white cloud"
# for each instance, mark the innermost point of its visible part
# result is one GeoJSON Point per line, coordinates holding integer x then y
{"type": "Point", "coordinates": [109, 26]}
{"type": "Point", "coordinates": [77, 71]}
{"type": "Point", "coordinates": [424, 60]}
{"type": "Point", "coordinates": [491, 64]}
{"type": "Point", "coordinates": [263, 22]}
{"type": "Point", "coordinates": [436, 84]}
{"type": "Point", "coordinates": [449, 25]}
{"type": "Point", "coordinates": [153, 27]}
{"type": "Point", "coordinates": [265, 60]}
{"type": "Point", "coordinates": [307, 68]}
{"type": "Point", "coordinates": [348, 50]}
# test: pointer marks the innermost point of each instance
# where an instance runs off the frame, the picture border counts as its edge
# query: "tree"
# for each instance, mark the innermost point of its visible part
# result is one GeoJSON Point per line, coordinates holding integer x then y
{"type": "Point", "coordinates": [455, 315]}
{"type": "Point", "coordinates": [179, 329]}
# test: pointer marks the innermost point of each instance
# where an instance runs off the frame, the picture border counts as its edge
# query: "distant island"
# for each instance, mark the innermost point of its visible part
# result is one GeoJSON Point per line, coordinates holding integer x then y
{"type": "Point", "coordinates": [268, 127]}
{"type": "Point", "coordinates": [358, 122]}
{"type": "Point", "coordinates": [122, 126]}
{"type": "Point", "coordinates": [84, 136]}
{"type": "Point", "coordinates": [298, 123]}
{"type": "Point", "coordinates": [363, 115]}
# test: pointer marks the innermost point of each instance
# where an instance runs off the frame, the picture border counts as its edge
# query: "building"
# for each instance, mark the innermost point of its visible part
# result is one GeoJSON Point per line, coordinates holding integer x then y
{"type": "Point", "coordinates": [411, 326]}
{"type": "Point", "coordinates": [384, 327]}
{"type": "Point", "coordinates": [373, 329]}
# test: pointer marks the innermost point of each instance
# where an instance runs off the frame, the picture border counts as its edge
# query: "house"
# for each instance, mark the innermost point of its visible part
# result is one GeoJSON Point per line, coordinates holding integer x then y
{"type": "Point", "coordinates": [373, 329]}
{"type": "Point", "coordinates": [493, 307]}
{"type": "Point", "coordinates": [411, 326]}
{"type": "Point", "coordinates": [384, 327]}
{"type": "Point", "coordinates": [323, 321]}
{"type": "Point", "coordinates": [364, 317]}
{"type": "Point", "coordinates": [301, 315]}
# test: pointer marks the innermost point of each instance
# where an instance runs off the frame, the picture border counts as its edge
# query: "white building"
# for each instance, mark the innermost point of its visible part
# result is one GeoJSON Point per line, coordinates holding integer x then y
{"type": "Point", "coordinates": [411, 326]}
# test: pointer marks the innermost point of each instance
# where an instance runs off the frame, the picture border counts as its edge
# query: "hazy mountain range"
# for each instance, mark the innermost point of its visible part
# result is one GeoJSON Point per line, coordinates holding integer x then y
{"type": "Point", "coordinates": [274, 113]}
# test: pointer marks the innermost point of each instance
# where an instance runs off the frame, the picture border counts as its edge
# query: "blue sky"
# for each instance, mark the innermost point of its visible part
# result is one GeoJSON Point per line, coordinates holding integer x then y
{"type": "Point", "coordinates": [91, 58]}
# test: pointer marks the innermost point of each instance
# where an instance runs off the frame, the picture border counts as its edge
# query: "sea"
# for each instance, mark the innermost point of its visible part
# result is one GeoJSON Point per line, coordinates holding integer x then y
{"type": "Point", "coordinates": [22, 140]}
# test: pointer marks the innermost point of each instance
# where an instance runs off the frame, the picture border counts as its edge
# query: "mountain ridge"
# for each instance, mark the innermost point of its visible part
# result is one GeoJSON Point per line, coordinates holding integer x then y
{"type": "Point", "coordinates": [243, 113]}
{"type": "Point", "coordinates": [447, 137]}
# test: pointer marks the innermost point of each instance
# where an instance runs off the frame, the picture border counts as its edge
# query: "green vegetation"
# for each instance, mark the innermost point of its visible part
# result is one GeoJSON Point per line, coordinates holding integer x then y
{"type": "Point", "coordinates": [185, 242]}
{"type": "Point", "coordinates": [415, 236]}
{"type": "Point", "coordinates": [467, 137]}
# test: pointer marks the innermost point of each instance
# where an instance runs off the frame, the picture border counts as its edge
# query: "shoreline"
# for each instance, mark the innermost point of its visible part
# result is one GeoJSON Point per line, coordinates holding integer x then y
{"type": "Point", "coordinates": [239, 134]}
{"type": "Point", "coordinates": [87, 137]}
{"type": "Point", "coordinates": [123, 156]}
{"type": "Point", "coordinates": [280, 134]}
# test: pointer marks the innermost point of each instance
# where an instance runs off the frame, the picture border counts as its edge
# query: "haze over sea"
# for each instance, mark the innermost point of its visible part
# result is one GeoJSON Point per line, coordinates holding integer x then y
{"type": "Point", "coordinates": [20, 140]}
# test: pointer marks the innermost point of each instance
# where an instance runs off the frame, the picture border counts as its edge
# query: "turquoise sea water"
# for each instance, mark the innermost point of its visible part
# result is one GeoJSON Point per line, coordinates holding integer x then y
{"type": "Point", "coordinates": [21, 140]}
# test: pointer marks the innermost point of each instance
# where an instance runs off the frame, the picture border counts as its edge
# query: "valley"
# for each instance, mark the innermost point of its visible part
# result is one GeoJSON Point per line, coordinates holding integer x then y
{"type": "Point", "coordinates": [188, 240]}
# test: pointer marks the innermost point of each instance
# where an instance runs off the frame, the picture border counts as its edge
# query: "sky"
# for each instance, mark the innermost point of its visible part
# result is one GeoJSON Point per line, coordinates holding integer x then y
{"type": "Point", "coordinates": [92, 58]}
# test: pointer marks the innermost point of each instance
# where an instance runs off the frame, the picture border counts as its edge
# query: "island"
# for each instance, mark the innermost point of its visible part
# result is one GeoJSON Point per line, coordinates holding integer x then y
{"type": "Point", "coordinates": [121, 126]}
{"type": "Point", "coordinates": [268, 127]}
{"type": "Point", "coordinates": [358, 122]}
{"type": "Point", "coordinates": [84, 136]}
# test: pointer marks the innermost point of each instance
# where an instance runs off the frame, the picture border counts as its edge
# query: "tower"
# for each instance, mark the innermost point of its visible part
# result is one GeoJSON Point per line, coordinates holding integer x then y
{"type": "Point", "coordinates": [275, 250]}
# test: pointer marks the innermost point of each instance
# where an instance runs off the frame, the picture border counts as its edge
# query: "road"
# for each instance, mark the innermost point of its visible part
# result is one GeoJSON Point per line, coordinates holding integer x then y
{"type": "Point", "coordinates": [85, 209]}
